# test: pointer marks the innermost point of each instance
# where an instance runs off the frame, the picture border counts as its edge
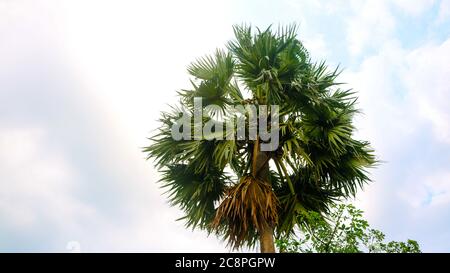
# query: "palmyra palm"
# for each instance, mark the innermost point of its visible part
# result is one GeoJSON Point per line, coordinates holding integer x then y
{"type": "Point", "coordinates": [231, 187]}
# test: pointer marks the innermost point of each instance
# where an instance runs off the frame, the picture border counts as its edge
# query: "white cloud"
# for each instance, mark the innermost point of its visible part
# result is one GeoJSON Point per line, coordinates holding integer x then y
{"type": "Point", "coordinates": [411, 86]}
{"type": "Point", "coordinates": [371, 23]}
{"type": "Point", "coordinates": [415, 8]}
{"type": "Point", "coordinates": [316, 46]}
{"type": "Point", "coordinates": [36, 184]}
{"type": "Point", "coordinates": [94, 85]}
{"type": "Point", "coordinates": [381, 101]}
{"type": "Point", "coordinates": [427, 82]}
{"type": "Point", "coordinates": [403, 94]}
{"type": "Point", "coordinates": [444, 11]}
{"type": "Point", "coordinates": [432, 192]}
{"type": "Point", "coordinates": [438, 186]}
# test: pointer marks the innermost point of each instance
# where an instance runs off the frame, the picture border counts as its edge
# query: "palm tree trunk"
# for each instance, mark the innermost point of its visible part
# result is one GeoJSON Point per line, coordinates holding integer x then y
{"type": "Point", "coordinates": [266, 240]}
{"type": "Point", "coordinates": [260, 170]}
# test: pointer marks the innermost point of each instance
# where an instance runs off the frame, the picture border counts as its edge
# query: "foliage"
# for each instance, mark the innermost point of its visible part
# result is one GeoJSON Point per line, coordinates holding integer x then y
{"type": "Point", "coordinates": [317, 163]}
{"type": "Point", "coordinates": [345, 231]}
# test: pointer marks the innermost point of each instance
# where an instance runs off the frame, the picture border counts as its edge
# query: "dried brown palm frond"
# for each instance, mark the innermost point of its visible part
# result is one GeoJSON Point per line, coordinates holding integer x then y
{"type": "Point", "coordinates": [248, 206]}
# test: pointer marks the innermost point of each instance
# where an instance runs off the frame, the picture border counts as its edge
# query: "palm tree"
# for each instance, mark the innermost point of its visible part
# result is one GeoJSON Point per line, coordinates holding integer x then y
{"type": "Point", "coordinates": [233, 188]}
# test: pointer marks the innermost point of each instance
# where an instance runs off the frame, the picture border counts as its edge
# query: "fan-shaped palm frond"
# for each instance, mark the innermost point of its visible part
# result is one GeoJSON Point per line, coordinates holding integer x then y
{"type": "Point", "coordinates": [215, 73]}
{"type": "Point", "coordinates": [196, 194]}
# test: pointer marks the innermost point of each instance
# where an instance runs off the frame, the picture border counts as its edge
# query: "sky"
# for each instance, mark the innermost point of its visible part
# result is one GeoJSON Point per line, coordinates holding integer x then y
{"type": "Point", "coordinates": [82, 84]}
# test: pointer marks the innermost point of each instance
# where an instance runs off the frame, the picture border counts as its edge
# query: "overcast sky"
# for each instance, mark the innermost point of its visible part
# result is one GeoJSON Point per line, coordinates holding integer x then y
{"type": "Point", "coordinates": [82, 83]}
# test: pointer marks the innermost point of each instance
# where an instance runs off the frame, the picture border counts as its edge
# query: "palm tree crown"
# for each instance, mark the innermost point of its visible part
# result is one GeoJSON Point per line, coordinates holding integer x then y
{"type": "Point", "coordinates": [231, 187]}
